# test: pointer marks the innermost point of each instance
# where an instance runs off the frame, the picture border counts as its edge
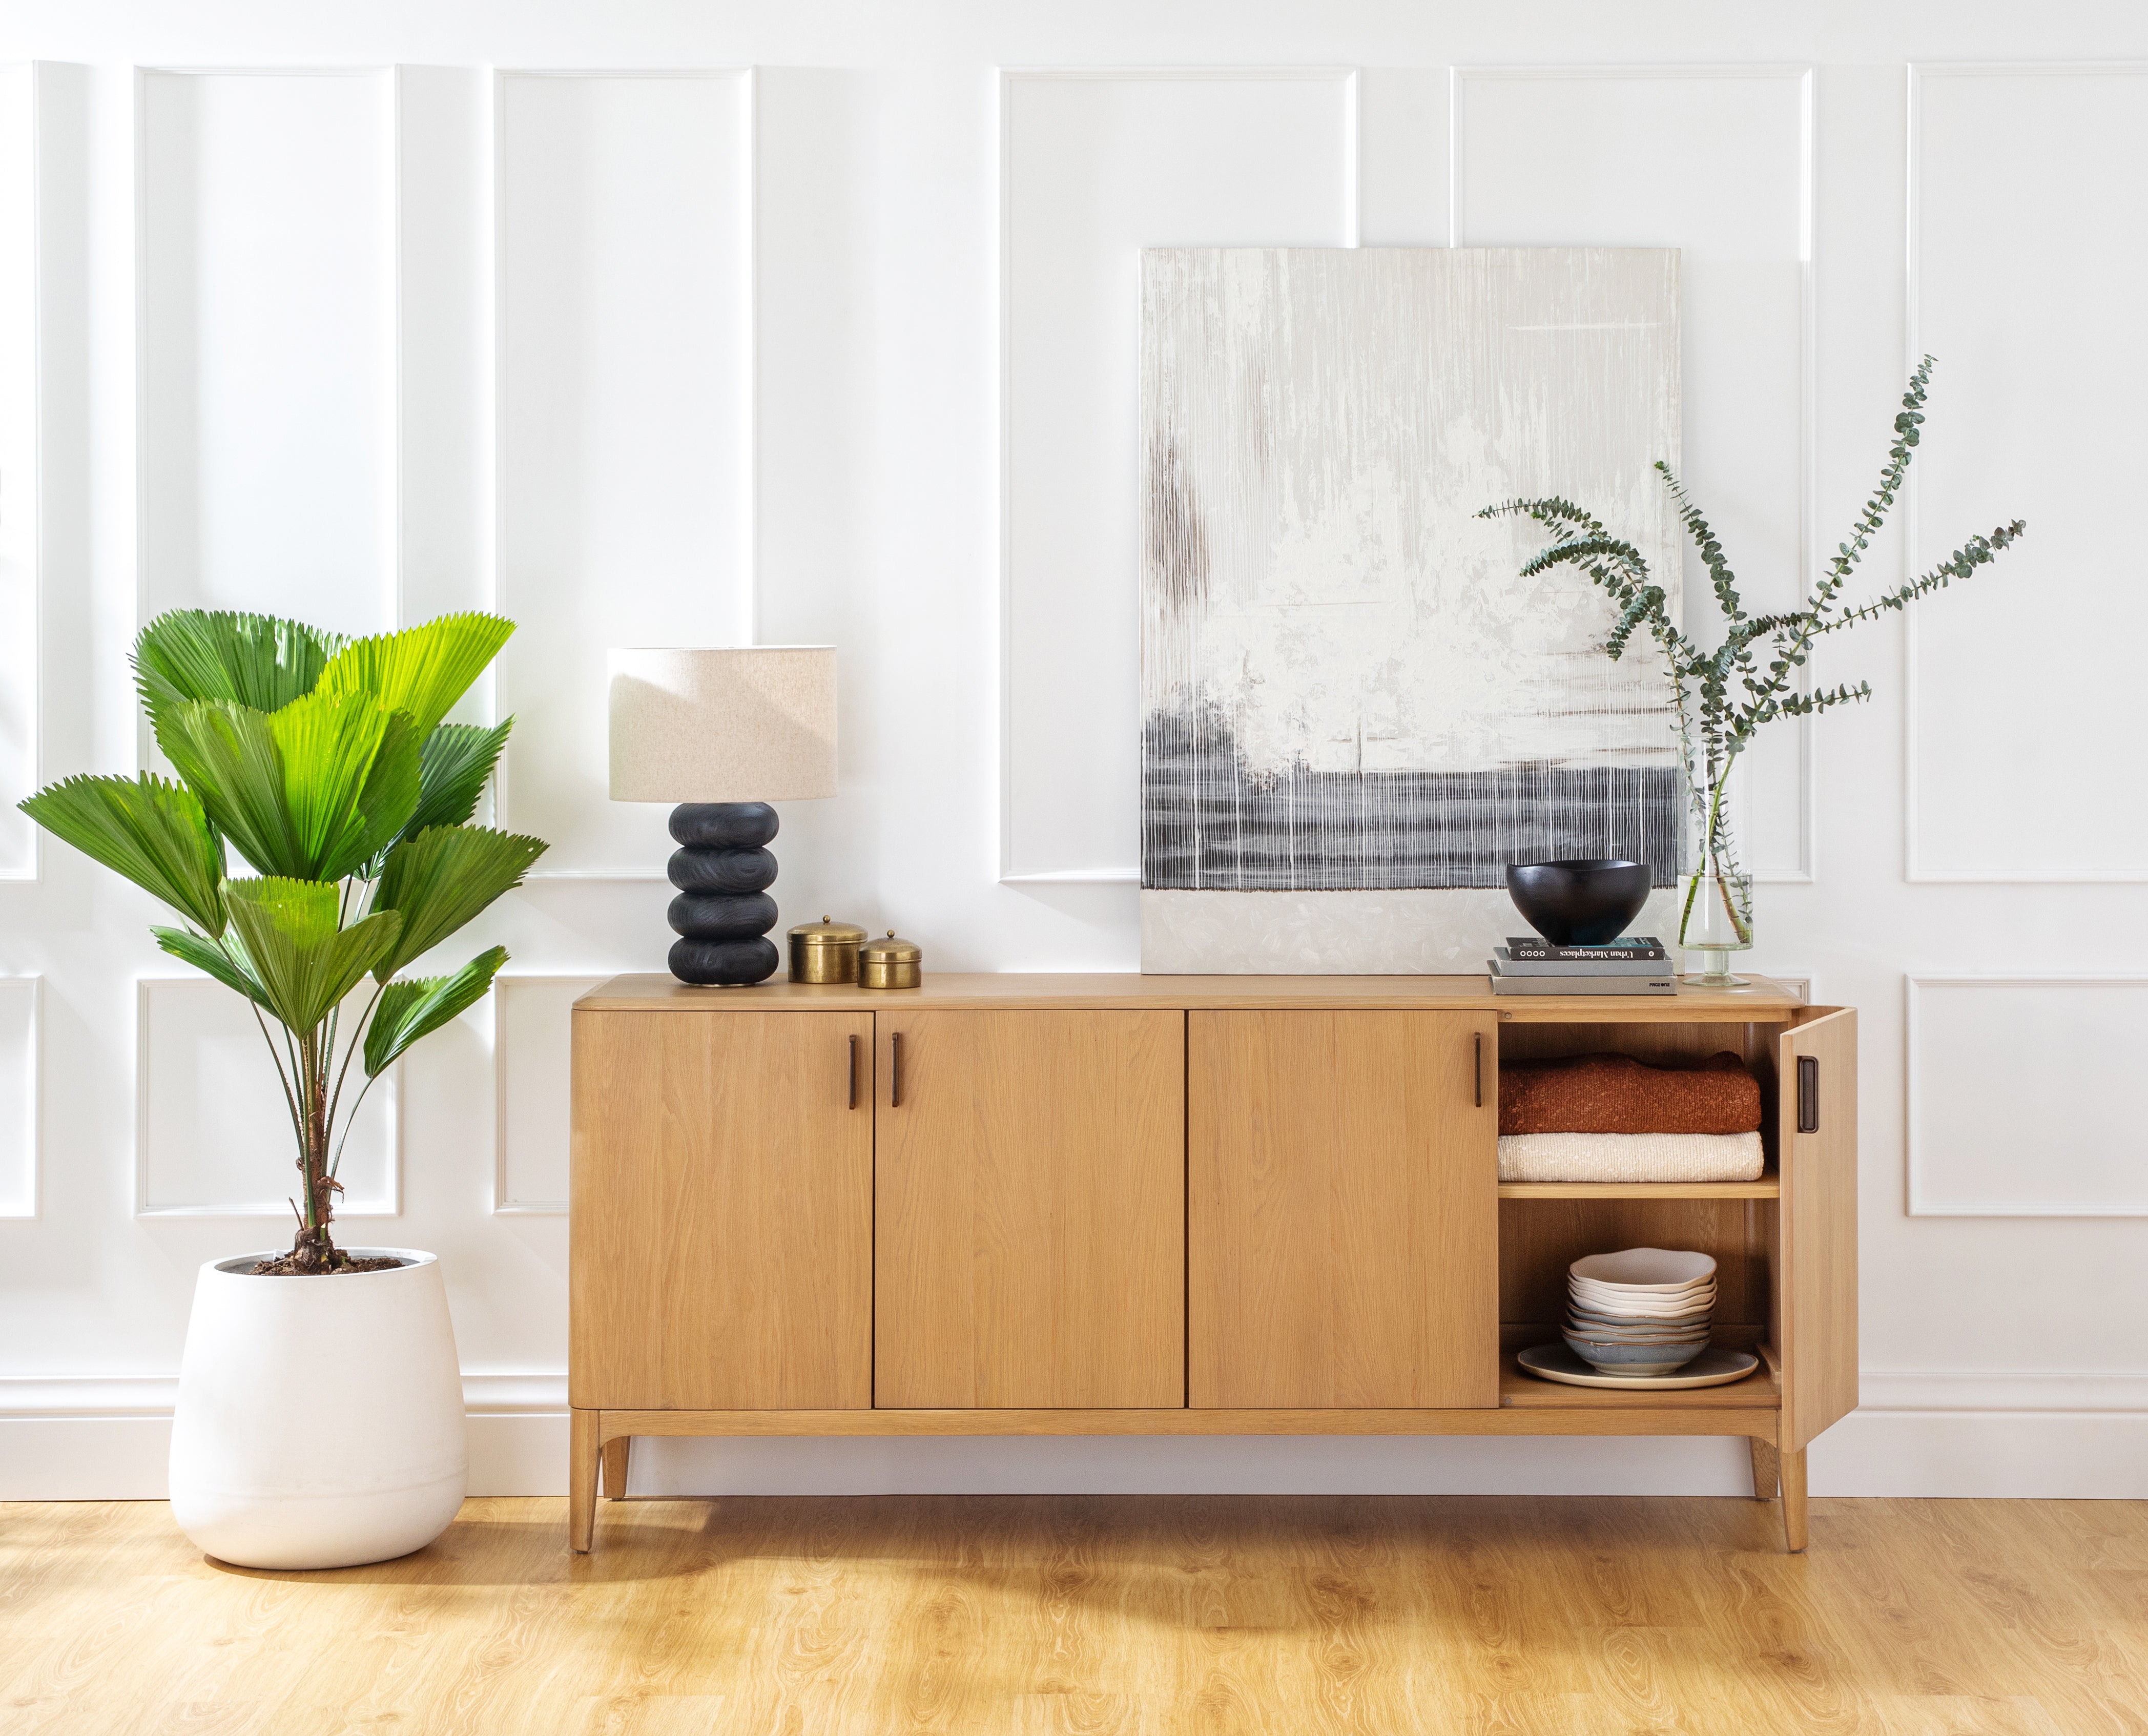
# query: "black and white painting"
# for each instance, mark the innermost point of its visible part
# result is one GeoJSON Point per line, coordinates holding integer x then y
{"type": "Point", "coordinates": [1356, 714]}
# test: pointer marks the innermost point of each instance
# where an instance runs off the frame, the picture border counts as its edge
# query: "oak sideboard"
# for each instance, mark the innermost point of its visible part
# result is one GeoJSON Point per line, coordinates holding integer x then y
{"type": "Point", "coordinates": [1100, 1205]}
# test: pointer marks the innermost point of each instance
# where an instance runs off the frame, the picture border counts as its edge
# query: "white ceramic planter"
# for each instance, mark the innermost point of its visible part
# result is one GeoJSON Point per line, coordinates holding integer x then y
{"type": "Point", "coordinates": [320, 1420]}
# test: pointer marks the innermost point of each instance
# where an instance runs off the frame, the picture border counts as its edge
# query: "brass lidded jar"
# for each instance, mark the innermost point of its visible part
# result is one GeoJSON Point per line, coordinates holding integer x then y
{"type": "Point", "coordinates": [890, 963]}
{"type": "Point", "coordinates": [826, 951]}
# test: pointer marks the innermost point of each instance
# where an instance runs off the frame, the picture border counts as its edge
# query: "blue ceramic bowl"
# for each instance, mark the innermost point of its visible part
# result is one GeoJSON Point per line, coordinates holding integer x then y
{"type": "Point", "coordinates": [1634, 1358]}
{"type": "Point", "coordinates": [1578, 903]}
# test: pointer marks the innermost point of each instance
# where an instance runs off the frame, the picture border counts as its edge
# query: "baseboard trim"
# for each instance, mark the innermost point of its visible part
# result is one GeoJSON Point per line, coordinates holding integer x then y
{"type": "Point", "coordinates": [1930, 1433]}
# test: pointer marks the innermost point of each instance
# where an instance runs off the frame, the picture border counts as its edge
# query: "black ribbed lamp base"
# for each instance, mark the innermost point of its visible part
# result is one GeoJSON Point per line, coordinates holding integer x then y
{"type": "Point", "coordinates": [723, 913]}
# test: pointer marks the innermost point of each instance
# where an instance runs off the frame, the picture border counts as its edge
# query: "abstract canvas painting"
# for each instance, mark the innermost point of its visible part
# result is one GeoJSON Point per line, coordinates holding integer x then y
{"type": "Point", "coordinates": [1355, 712]}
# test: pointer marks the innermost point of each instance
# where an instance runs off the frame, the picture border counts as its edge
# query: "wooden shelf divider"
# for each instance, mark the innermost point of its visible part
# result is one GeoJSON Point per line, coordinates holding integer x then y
{"type": "Point", "coordinates": [1768, 1187]}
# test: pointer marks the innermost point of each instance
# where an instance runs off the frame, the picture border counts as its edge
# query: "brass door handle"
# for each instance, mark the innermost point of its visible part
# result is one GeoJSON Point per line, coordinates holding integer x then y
{"type": "Point", "coordinates": [854, 1072]}
{"type": "Point", "coordinates": [895, 1070]}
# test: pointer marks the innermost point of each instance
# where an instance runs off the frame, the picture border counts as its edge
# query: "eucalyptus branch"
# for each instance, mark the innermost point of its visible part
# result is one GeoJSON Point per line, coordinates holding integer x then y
{"type": "Point", "coordinates": [1720, 699]}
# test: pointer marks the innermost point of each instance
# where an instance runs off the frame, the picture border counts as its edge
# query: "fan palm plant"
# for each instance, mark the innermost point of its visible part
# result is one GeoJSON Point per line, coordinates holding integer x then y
{"type": "Point", "coordinates": [324, 764]}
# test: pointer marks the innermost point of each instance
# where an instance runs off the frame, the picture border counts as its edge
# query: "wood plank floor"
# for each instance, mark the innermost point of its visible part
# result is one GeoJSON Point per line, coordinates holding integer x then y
{"type": "Point", "coordinates": [1088, 1615]}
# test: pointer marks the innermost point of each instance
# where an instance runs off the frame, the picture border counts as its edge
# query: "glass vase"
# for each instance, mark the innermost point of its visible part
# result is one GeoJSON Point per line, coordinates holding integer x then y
{"type": "Point", "coordinates": [1715, 898]}
{"type": "Point", "coordinates": [1715, 920]}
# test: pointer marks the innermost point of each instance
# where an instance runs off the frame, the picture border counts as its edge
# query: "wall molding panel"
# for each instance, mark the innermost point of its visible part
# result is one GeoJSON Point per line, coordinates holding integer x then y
{"type": "Point", "coordinates": [2035, 337]}
{"type": "Point", "coordinates": [1743, 215]}
{"type": "Point", "coordinates": [1119, 159]}
{"type": "Point", "coordinates": [22, 274]}
{"type": "Point", "coordinates": [22, 1088]}
{"type": "Point", "coordinates": [1995, 1103]}
{"type": "Point", "coordinates": [626, 335]}
{"type": "Point", "coordinates": [212, 1137]}
{"type": "Point", "coordinates": [530, 1054]}
{"type": "Point", "coordinates": [266, 295]}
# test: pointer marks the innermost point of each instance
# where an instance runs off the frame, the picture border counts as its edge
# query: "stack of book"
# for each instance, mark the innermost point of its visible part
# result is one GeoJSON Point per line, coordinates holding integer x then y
{"type": "Point", "coordinates": [1633, 965]}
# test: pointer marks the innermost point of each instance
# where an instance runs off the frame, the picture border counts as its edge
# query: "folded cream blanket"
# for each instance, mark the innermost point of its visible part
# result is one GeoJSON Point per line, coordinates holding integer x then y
{"type": "Point", "coordinates": [1631, 1157]}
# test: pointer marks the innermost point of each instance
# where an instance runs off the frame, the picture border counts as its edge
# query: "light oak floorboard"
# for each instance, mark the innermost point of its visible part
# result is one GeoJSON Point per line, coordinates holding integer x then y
{"type": "Point", "coordinates": [1082, 1616]}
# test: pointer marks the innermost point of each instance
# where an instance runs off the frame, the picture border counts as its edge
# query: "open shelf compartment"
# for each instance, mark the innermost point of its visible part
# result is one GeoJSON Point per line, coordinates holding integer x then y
{"type": "Point", "coordinates": [1545, 1226]}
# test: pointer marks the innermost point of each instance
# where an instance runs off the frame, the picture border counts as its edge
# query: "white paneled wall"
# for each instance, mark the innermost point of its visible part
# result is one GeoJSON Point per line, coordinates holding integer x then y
{"type": "Point", "coordinates": [674, 324]}
{"type": "Point", "coordinates": [530, 1060]}
{"type": "Point", "coordinates": [2027, 241]}
{"type": "Point", "coordinates": [22, 1006]}
{"type": "Point", "coordinates": [212, 1137]}
{"type": "Point", "coordinates": [2052, 1125]}
{"type": "Point", "coordinates": [267, 275]}
{"type": "Point", "coordinates": [19, 480]}
{"type": "Point", "coordinates": [1740, 212]}
{"type": "Point", "coordinates": [625, 268]}
{"type": "Point", "coordinates": [1093, 167]}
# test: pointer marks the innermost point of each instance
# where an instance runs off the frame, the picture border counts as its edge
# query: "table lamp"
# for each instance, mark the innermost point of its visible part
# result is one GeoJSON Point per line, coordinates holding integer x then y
{"type": "Point", "coordinates": [723, 733]}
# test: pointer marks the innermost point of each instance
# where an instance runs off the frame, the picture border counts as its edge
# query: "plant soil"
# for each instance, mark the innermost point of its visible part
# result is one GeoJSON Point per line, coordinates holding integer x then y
{"type": "Point", "coordinates": [290, 1266]}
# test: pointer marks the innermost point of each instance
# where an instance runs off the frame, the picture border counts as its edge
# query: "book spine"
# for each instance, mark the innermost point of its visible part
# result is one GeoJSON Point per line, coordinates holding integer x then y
{"type": "Point", "coordinates": [1578, 967]}
{"type": "Point", "coordinates": [1582, 955]}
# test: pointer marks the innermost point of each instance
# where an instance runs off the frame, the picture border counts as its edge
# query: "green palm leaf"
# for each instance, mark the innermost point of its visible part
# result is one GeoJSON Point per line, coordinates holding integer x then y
{"type": "Point", "coordinates": [152, 831]}
{"type": "Point", "coordinates": [388, 803]}
{"type": "Point", "coordinates": [250, 660]}
{"type": "Point", "coordinates": [421, 670]}
{"type": "Point", "coordinates": [420, 1006]}
{"type": "Point", "coordinates": [457, 758]}
{"type": "Point", "coordinates": [328, 744]}
{"type": "Point", "coordinates": [204, 955]}
{"type": "Point", "coordinates": [442, 878]}
{"type": "Point", "coordinates": [227, 754]}
{"type": "Point", "coordinates": [304, 963]}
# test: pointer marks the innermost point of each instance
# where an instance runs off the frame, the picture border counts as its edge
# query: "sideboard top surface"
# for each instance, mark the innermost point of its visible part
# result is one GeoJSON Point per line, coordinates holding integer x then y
{"type": "Point", "coordinates": [1763, 1000]}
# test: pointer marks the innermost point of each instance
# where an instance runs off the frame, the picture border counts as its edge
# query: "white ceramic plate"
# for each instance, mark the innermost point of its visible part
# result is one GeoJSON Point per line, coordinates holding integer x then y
{"type": "Point", "coordinates": [1653, 1268]}
{"type": "Point", "coordinates": [1662, 1301]}
{"type": "Point", "coordinates": [1588, 1305]}
{"type": "Point", "coordinates": [1716, 1368]}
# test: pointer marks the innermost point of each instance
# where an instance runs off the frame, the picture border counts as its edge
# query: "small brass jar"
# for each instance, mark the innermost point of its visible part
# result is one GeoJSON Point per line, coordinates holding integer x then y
{"type": "Point", "coordinates": [826, 951]}
{"type": "Point", "coordinates": [889, 963]}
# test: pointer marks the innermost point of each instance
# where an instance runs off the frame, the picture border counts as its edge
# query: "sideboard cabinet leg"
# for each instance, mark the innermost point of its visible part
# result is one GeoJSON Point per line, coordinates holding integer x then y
{"type": "Point", "coordinates": [614, 1467]}
{"type": "Point", "coordinates": [1765, 1472]}
{"type": "Point", "coordinates": [1793, 1499]}
{"type": "Point", "coordinates": [584, 1448]}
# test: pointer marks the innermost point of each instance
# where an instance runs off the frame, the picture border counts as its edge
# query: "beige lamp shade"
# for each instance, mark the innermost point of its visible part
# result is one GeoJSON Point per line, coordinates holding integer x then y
{"type": "Point", "coordinates": [749, 723]}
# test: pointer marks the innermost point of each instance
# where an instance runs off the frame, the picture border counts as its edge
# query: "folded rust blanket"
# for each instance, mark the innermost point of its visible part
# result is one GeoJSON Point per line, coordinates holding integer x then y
{"type": "Point", "coordinates": [1618, 1094]}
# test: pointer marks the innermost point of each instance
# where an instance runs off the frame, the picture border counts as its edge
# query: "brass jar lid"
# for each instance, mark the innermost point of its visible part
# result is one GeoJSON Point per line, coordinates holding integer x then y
{"type": "Point", "coordinates": [891, 949]}
{"type": "Point", "coordinates": [828, 932]}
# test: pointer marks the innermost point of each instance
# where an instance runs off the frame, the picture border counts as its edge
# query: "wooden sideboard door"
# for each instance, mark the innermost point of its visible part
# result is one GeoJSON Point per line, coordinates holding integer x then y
{"type": "Point", "coordinates": [1816, 1274]}
{"type": "Point", "coordinates": [1030, 1211]}
{"type": "Point", "coordinates": [722, 1204]}
{"type": "Point", "coordinates": [1343, 1209]}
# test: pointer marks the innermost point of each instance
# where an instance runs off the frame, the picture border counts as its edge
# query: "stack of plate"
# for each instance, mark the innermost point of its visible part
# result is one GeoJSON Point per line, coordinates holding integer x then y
{"type": "Point", "coordinates": [1645, 1312]}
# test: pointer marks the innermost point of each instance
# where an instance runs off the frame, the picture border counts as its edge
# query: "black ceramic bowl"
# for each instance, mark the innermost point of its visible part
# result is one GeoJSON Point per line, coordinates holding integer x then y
{"type": "Point", "coordinates": [1579, 903]}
